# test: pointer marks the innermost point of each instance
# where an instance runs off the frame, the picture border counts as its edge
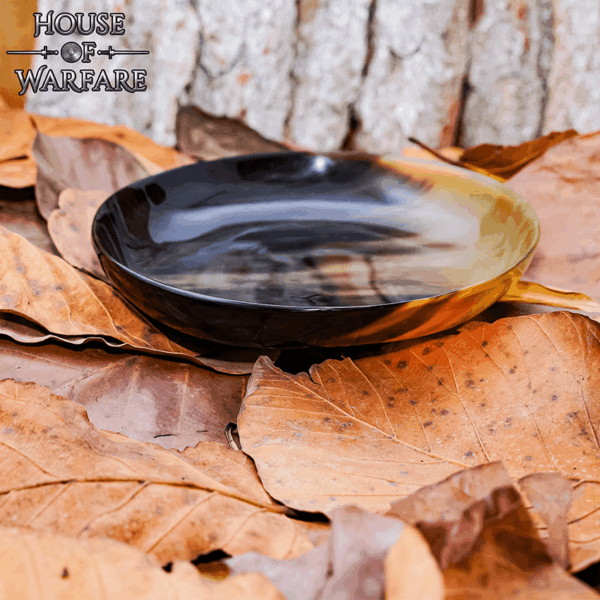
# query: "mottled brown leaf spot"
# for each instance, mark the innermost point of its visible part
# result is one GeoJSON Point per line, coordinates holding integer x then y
{"type": "Point", "coordinates": [469, 454]}
{"type": "Point", "coordinates": [428, 424]}
{"type": "Point", "coordinates": [484, 343]}
{"type": "Point", "coordinates": [512, 371]}
{"type": "Point", "coordinates": [413, 402]}
{"type": "Point", "coordinates": [469, 383]}
{"type": "Point", "coordinates": [444, 412]}
{"type": "Point", "coordinates": [401, 364]}
{"type": "Point", "coordinates": [529, 458]}
{"type": "Point", "coordinates": [426, 351]}
{"type": "Point", "coordinates": [554, 397]}
{"type": "Point", "coordinates": [508, 422]}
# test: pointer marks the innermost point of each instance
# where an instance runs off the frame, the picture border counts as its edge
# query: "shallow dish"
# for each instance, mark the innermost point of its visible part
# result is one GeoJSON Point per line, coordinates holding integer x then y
{"type": "Point", "coordinates": [296, 249]}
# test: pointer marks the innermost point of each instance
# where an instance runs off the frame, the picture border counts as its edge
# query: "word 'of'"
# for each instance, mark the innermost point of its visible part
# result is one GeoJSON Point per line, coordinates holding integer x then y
{"type": "Point", "coordinates": [67, 23]}
{"type": "Point", "coordinates": [43, 80]}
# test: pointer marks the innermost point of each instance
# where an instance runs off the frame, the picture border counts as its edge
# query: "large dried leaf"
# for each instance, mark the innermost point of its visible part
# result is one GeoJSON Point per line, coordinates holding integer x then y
{"type": "Point", "coordinates": [204, 136]}
{"type": "Point", "coordinates": [364, 556]}
{"type": "Point", "coordinates": [70, 227]}
{"type": "Point", "coordinates": [46, 290]}
{"type": "Point", "coordinates": [85, 164]}
{"type": "Point", "coordinates": [166, 158]}
{"type": "Point", "coordinates": [61, 475]}
{"type": "Point", "coordinates": [506, 161]}
{"type": "Point", "coordinates": [564, 189]}
{"type": "Point", "coordinates": [522, 390]}
{"type": "Point", "coordinates": [479, 531]}
{"type": "Point", "coordinates": [36, 565]}
{"type": "Point", "coordinates": [143, 397]}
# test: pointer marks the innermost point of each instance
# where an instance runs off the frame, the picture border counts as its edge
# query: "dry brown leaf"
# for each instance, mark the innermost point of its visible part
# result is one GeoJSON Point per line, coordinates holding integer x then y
{"type": "Point", "coordinates": [223, 359]}
{"type": "Point", "coordinates": [46, 290]}
{"type": "Point", "coordinates": [564, 189]}
{"type": "Point", "coordinates": [35, 565]}
{"type": "Point", "coordinates": [478, 529]}
{"type": "Point", "coordinates": [208, 137]}
{"type": "Point", "coordinates": [61, 475]}
{"type": "Point", "coordinates": [84, 164]}
{"type": "Point", "coordinates": [506, 161]}
{"type": "Point", "coordinates": [143, 397]}
{"type": "Point", "coordinates": [16, 135]}
{"type": "Point", "coordinates": [364, 555]}
{"type": "Point", "coordinates": [70, 227]}
{"type": "Point", "coordinates": [18, 173]}
{"type": "Point", "coordinates": [166, 158]}
{"type": "Point", "coordinates": [522, 390]}
{"type": "Point", "coordinates": [550, 498]}
{"type": "Point", "coordinates": [17, 168]}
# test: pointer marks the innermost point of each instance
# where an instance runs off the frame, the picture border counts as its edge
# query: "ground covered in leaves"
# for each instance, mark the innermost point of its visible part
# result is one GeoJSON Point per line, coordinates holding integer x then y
{"type": "Point", "coordinates": [138, 463]}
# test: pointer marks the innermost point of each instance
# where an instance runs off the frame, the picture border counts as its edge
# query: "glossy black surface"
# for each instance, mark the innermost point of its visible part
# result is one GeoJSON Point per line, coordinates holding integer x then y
{"type": "Point", "coordinates": [282, 250]}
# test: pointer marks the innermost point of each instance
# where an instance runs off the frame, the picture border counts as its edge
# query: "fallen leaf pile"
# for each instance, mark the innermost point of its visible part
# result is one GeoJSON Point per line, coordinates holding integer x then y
{"type": "Point", "coordinates": [136, 462]}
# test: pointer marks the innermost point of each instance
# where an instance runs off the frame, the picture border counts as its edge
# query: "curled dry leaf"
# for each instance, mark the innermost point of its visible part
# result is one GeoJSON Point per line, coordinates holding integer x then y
{"type": "Point", "coordinates": [521, 390]}
{"type": "Point", "coordinates": [34, 564]}
{"type": "Point", "coordinates": [18, 173]}
{"type": "Point", "coordinates": [70, 227]}
{"type": "Point", "coordinates": [164, 157]}
{"type": "Point", "coordinates": [208, 137]}
{"type": "Point", "coordinates": [230, 360]}
{"type": "Point", "coordinates": [365, 556]}
{"type": "Point", "coordinates": [564, 189]}
{"type": "Point", "coordinates": [550, 498]}
{"type": "Point", "coordinates": [146, 398]}
{"type": "Point", "coordinates": [506, 161]}
{"type": "Point", "coordinates": [16, 134]}
{"type": "Point", "coordinates": [61, 475]}
{"type": "Point", "coordinates": [46, 290]}
{"type": "Point", "coordinates": [84, 164]}
{"type": "Point", "coordinates": [479, 531]}
{"type": "Point", "coordinates": [17, 168]}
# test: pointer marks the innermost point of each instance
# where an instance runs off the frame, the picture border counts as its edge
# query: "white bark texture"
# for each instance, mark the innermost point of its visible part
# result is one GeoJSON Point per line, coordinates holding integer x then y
{"type": "Point", "coordinates": [510, 52]}
{"type": "Point", "coordinates": [352, 74]}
